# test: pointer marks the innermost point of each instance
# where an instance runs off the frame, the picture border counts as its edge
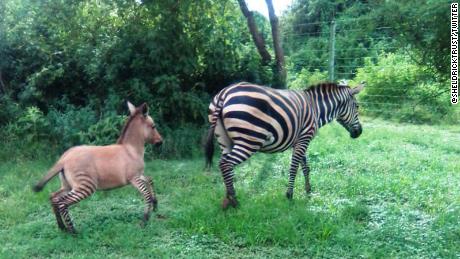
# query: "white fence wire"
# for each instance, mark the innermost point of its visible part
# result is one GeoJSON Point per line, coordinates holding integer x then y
{"type": "Point", "coordinates": [348, 54]}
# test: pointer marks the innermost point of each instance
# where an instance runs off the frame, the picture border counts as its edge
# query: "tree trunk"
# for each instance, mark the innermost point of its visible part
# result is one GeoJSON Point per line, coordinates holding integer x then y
{"type": "Point", "coordinates": [280, 75]}
{"type": "Point", "coordinates": [256, 36]}
{"type": "Point", "coordinates": [2, 85]}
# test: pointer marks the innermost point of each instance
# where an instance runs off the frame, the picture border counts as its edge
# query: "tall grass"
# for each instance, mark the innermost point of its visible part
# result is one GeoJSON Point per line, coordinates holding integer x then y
{"type": "Point", "coordinates": [393, 192]}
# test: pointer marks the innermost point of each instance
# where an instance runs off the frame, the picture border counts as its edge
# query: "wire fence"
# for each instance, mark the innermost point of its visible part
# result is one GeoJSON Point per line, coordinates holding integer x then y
{"type": "Point", "coordinates": [341, 47]}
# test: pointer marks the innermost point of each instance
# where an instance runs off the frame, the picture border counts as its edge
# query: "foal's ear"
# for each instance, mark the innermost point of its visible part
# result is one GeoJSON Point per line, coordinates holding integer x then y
{"type": "Point", "coordinates": [357, 89]}
{"type": "Point", "coordinates": [131, 107]}
{"type": "Point", "coordinates": [145, 109]}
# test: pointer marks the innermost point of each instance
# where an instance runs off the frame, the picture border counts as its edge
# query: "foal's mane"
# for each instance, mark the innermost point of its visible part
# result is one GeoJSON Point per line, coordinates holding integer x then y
{"type": "Point", "coordinates": [126, 126]}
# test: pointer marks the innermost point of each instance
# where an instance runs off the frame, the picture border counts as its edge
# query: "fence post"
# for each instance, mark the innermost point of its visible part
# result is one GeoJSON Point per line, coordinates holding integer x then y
{"type": "Point", "coordinates": [332, 52]}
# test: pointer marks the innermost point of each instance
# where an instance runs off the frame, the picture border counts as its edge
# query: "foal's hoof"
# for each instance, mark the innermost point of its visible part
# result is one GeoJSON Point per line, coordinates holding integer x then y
{"type": "Point", "coordinates": [143, 224]}
{"type": "Point", "coordinates": [62, 227]}
{"type": "Point", "coordinates": [229, 200]}
{"type": "Point", "coordinates": [72, 231]}
{"type": "Point", "coordinates": [155, 204]}
{"type": "Point", "coordinates": [308, 189]}
{"type": "Point", "coordinates": [289, 195]}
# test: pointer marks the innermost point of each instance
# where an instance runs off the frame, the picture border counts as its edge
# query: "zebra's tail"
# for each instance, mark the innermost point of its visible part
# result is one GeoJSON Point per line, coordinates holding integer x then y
{"type": "Point", "coordinates": [57, 168]}
{"type": "Point", "coordinates": [209, 145]}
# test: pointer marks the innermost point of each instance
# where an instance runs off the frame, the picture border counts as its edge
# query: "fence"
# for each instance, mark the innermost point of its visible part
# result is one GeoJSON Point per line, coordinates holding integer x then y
{"type": "Point", "coordinates": [339, 48]}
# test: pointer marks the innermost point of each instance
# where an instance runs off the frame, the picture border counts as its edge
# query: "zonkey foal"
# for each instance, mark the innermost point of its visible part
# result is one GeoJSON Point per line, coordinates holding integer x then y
{"type": "Point", "coordinates": [85, 169]}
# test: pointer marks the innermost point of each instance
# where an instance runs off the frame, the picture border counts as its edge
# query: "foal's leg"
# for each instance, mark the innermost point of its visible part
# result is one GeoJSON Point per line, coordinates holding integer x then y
{"type": "Point", "coordinates": [54, 199]}
{"type": "Point", "coordinates": [140, 183]}
{"type": "Point", "coordinates": [74, 196]}
{"type": "Point", "coordinates": [149, 183]}
{"type": "Point", "coordinates": [237, 155]}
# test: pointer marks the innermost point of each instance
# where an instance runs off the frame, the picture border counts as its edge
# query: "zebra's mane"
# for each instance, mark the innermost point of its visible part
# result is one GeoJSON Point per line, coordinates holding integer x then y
{"type": "Point", "coordinates": [326, 85]}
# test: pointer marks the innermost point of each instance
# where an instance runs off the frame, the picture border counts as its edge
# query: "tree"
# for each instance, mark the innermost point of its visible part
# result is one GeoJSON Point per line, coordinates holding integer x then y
{"type": "Point", "coordinates": [280, 71]}
{"type": "Point", "coordinates": [280, 75]}
{"type": "Point", "coordinates": [256, 36]}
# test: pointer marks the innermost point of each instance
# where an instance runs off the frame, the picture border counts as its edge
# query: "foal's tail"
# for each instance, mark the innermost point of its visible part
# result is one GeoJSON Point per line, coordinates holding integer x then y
{"type": "Point", "coordinates": [215, 115]}
{"type": "Point", "coordinates": [57, 168]}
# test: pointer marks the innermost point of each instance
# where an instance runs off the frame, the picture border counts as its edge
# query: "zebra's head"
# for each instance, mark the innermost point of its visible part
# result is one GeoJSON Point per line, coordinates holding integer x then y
{"type": "Point", "coordinates": [348, 115]}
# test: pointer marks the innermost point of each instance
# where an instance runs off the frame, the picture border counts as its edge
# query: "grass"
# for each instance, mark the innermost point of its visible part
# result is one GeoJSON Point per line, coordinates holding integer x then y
{"type": "Point", "coordinates": [394, 192]}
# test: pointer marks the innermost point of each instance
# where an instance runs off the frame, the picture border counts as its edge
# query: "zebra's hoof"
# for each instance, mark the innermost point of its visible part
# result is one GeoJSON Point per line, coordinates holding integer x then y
{"type": "Point", "coordinates": [289, 195]}
{"type": "Point", "coordinates": [308, 189]}
{"type": "Point", "coordinates": [225, 203]}
{"type": "Point", "coordinates": [229, 200]}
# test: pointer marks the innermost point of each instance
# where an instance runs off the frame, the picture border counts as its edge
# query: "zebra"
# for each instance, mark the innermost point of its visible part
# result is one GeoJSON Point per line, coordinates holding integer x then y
{"type": "Point", "coordinates": [247, 118]}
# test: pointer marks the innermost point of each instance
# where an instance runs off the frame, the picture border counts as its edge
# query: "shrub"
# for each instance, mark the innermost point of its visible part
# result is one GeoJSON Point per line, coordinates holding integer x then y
{"type": "Point", "coordinates": [106, 131]}
{"type": "Point", "coordinates": [181, 142]}
{"type": "Point", "coordinates": [32, 125]}
{"type": "Point", "coordinates": [69, 125]}
{"type": "Point", "coordinates": [9, 111]}
{"type": "Point", "coordinates": [306, 78]}
{"type": "Point", "coordinates": [26, 137]}
{"type": "Point", "coordinates": [398, 88]}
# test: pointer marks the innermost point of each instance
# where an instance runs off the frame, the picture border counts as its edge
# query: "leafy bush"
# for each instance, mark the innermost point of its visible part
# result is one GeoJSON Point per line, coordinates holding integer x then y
{"type": "Point", "coordinates": [171, 104]}
{"type": "Point", "coordinates": [35, 135]}
{"type": "Point", "coordinates": [305, 78]}
{"type": "Point", "coordinates": [26, 136]}
{"type": "Point", "coordinates": [181, 142]}
{"type": "Point", "coordinates": [69, 125]}
{"type": "Point", "coordinates": [398, 88]}
{"type": "Point", "coordinates": [106, 131]}
{"type": "Point", "coordinates": [9, 111]}
{"type": "Point", "coordinates": [32, 125]}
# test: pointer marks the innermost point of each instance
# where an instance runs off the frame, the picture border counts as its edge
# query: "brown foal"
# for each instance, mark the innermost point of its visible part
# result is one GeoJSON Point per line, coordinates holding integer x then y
{"type": "Point", "coordinates": [85, 169]}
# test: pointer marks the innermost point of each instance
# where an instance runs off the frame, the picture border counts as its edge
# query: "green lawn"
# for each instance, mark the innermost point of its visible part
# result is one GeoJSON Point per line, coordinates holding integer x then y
{"type": "Point", "coordinates": [393, 192]}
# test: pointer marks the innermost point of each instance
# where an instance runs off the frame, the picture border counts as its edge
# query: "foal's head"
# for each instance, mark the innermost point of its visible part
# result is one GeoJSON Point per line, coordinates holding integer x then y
{"type": "Point", "coordinates": [141, 124]}
{"type": "Point", "coordinates": [348, 116]}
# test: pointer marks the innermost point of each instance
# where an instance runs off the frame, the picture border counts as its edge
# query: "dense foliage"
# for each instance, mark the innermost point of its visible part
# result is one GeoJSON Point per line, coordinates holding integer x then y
{"type": "Point", "coordinates": [73, 65]}
{"type": "Point", "coordinates": [399, 48]}
{"type": "Point", "coordinates": [67, 68]}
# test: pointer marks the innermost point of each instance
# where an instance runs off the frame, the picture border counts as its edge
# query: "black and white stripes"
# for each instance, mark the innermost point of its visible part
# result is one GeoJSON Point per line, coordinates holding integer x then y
{"type": "Point", "coordinates": [247, 118]}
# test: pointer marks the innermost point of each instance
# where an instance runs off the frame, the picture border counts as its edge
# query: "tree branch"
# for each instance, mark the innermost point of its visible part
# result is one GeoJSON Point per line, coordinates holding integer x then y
{"type": "Point", "coordinates": [256, 36]}
{"type": "Point", "coordinates": [280, 81]}
{"type": "Point", "coordinates": [2, 84]}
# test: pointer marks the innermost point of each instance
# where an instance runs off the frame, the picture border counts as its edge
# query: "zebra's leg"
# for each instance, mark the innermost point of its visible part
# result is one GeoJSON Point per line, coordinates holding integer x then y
{"type": "Point", "coordinates": [54, 199]}
{"type": "Point", "coordinates": [142, 185]}
{"type": "Point", "coordinates": [298, 154]}
{"type": "Point", "coordinates": [72, 197]}
{"type": "Point", "coordinates": [306, 173]}
{"type": "Point", "coordinates": [228, 161]}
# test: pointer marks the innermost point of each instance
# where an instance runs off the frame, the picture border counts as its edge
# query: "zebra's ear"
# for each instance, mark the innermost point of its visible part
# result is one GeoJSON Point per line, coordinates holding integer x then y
{"type": "Point", "coordinates": [131, 107]}
{"type": "Point", "coordinates": [357, 89]}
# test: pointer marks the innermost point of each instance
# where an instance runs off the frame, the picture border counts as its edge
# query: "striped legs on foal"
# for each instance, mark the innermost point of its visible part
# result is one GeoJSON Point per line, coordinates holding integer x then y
{"type": "Point", "coordinates": [62, 204]}
{"type": "Point", "coordinates": [85, 169]}
{"type": "Point", "coordinates": [145, 186]}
